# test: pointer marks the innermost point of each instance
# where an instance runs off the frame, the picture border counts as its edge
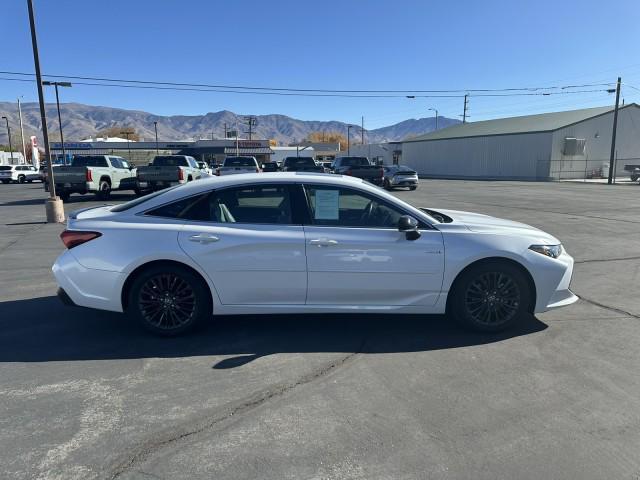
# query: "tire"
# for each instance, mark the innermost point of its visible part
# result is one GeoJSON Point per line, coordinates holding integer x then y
{"type": "Point", "coordinates": [137, 192]}
{"type": "Point", "coordinates": [634, 178]}
{"type": "Point", "coordinates": [386, 185]}
{"type": "Point", "coordinates": [104, 190]}
{"type": "Point", "coordinates": [64, 196]}
{"type": "Point", "coordinates": [29, 181]}
{"type": "Point", "coordinates": [490, 297]}
{"type": "Point", "coordinates": [154, 300]}
{"type": "Point", "coordinates": [5, 181]}
{"type": "Point", "coordinates": [412, 188]}
{"type": "Point", "coordinates": [189, 178]}
{"type": "Point", "coordinates": [21, 178]}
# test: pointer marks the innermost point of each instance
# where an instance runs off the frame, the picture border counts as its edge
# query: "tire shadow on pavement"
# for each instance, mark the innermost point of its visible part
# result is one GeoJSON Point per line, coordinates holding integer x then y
{"type": "Point", "coordinates": [44, 330]}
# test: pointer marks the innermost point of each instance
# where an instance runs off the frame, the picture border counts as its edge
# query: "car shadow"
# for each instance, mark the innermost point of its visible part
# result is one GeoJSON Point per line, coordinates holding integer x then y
{"type": "Point", "coordinates": [44, 330]}
{"type": "Point", "coordinates": [79, 199]}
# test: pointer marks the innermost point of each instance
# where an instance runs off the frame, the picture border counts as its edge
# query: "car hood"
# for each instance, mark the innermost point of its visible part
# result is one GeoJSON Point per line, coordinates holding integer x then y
{"type": "Point", "coordinates": [478, 222]}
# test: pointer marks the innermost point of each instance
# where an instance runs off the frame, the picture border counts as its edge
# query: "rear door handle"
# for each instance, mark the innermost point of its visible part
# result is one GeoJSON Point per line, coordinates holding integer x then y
{"type": "Point", "coordinates": [323, 242]}
{"type": "Point", "coordinates": [203, 238]}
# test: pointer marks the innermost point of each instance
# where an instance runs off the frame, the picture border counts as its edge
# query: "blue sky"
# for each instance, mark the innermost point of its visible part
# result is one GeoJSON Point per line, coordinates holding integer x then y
{"type": "Point", "coordinates": [348, 44]}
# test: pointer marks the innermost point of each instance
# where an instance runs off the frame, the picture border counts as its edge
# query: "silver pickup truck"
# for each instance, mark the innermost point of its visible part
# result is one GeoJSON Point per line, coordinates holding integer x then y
{"type": "Point", "coordinates": [99, 174]}
{"type": "Point", "coordinates": [167, 170]}
{"type": "Point", "coordinates": [234, 165]}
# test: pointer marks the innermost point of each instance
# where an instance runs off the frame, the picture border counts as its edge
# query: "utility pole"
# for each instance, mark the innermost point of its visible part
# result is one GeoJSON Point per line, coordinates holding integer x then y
{"type": "Point", "coordinates": [362, 131]}
{"type": "Point", "coordinates": [155, 127]}
{"type": "Point", "coordinates": [24, 152]}
{"type": "Point", "coordinates": [225, 130]}
{"type": "Point", "coordinates": [53, 206]}
{"type": "Point", "coordinates": [251, 121]}
{"type": "Point", "coordinates": [466, 104]}
{"type": "Point", "coordinates": [349, 127]}
{"type": "Point", "coordinates": [613, 134]}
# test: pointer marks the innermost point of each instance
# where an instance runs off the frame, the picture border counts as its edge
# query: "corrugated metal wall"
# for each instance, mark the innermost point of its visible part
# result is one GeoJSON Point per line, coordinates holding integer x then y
{"type": "Point", "coordinates": [597, 134]}
{"type": "Point", "coordinates": [522, 157]}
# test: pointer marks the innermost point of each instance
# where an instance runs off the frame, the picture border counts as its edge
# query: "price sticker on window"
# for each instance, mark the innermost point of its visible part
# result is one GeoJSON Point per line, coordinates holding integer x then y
{"type": "Point", "coordinates": [327, 205]}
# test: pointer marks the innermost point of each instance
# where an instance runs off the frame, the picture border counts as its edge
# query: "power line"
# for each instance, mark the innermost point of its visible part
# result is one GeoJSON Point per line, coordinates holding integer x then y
{"type": "Point", "coordinates": [299, 94]}
{"type": "Point", "coordinates": [306, 90]}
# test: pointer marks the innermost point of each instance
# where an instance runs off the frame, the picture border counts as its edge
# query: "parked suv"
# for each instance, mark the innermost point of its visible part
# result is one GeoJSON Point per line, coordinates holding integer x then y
{"type": "Point", "coordinates": [19, 173]}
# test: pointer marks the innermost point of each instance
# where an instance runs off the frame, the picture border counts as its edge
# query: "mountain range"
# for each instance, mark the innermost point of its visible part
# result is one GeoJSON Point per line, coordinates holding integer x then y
{"type": "Point", "coordinates": [81, 121]}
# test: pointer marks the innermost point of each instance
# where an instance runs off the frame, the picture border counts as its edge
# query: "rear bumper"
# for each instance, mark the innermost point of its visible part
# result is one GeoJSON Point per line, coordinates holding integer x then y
{"type": "Point", "coordinates": [87, 287]}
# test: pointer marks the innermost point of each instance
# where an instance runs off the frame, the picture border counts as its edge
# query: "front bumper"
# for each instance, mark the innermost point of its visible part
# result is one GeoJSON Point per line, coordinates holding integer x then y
{"type": "Point", "coordinates": [552, 278]}
{"type": "Point", "coordinates": [87, 287]}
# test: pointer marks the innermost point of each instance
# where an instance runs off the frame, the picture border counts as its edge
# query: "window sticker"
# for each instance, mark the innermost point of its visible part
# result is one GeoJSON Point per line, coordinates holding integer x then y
{"type": "Point", "coordinates": [327, 205]}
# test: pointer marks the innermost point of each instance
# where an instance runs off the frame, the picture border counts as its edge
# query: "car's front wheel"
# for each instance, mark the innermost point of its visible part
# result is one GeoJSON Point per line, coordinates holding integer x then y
{"type": "Point", "coordinates": [490, 297]}
{"type": "Point", "coordinates": [169, 300]}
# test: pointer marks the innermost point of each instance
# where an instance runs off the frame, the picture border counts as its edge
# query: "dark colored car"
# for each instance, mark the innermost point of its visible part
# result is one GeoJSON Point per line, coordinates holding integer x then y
{"type": "Point", "coordinates": [270, 167]}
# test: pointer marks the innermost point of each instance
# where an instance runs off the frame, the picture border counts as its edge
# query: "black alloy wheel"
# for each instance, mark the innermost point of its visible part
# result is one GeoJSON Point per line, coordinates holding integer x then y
{"type": "Point", "coordinates": [169, 300]}
{"type": "Point", "coordinates": [490, 297]}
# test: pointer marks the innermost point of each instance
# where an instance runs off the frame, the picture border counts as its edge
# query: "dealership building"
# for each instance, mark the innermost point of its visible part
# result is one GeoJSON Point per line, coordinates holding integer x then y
{"type": "Point", "coordinates": [141, 153]}
{"type": "Point", "coordinates": [550, 146]}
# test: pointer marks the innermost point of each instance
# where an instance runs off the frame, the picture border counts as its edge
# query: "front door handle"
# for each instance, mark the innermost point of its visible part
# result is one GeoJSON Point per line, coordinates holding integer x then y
{"type": "Point", "coordinates": [323, 242]}
{"type": "Point", "coordinates": [203, 238]}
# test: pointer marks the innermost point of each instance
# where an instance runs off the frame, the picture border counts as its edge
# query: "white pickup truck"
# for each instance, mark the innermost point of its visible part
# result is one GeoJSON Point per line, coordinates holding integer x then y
{"type": "Point", "coordinates": [167, 170]}
{"type": "Point", "coordinates": [234, 165]}
{"type": "Point", "coordinates": [99, 174]}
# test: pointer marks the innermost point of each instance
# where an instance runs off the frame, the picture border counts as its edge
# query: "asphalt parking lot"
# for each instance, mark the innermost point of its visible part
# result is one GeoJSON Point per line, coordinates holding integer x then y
{"type": "Point", "coordinates": [85, 394]}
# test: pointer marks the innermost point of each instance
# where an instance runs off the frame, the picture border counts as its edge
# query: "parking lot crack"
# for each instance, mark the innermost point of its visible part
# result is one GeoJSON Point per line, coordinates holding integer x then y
{"type": "Point", "coordinates": [607, 307]}
{"type": "Point", "coordinates": [596, 260]}
{"type": "Point", "coordinates": [160, 440]}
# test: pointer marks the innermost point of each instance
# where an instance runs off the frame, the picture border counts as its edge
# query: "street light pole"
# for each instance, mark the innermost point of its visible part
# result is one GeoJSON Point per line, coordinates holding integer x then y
{"type": "Point", "coordinates": [155, 126]}
{"type": "Point", "coordinates": [24, 151]}
{"type": "Point", "coordinates": [129, 143]}
{"type": "Point", "coordinates": [9, 135]}
{"type": "Point", "coordinates": [349, 139]}
{"type": "Point", "coordinates": [53, 206]}
{"type": "Point", "coordinates": [56, 85]}
{"type": "Point", "coordinates": [435, 110]}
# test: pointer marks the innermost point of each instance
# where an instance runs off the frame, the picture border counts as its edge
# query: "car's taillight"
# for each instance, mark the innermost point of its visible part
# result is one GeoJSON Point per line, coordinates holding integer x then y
{"type": "Point", "coordinates": [73, 238]}
{"type": "Point", "coordinates": [89, 175]}
{"type": "Point", "coordinates": [180, 174]}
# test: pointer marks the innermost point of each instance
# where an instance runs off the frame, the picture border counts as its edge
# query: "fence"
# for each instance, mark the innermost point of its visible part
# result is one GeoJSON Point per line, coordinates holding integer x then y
{"type": "Point", "coordinates": [589, 169]}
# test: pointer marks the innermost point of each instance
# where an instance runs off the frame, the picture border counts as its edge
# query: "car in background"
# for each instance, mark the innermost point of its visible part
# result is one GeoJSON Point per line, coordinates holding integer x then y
{"type": "Point", "coordinates": [358, 167]}
{"type": "Point", "coordinates": [205, 168]}
{"type": "Point", "coordinates": [19, 174]}
{"type": "Point", "coordinates": [270, 167]}
{"type": "Point", "coordinates": [304, 243]}
{"type": "Point", "coordinates": [399, 176]}
{"type": "Point", "coordinates": [301, 164]}
{"type": "Point", "coordinates": [236, 165]}
{"type": "Point", "coordinates": [98, 174]}
{"type": "Point", "coordinates": [168, 170]}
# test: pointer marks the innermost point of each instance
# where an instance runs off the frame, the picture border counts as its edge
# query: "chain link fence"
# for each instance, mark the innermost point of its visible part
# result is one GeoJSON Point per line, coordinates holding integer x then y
{"type": "Point", "coordinates": [625, 169]}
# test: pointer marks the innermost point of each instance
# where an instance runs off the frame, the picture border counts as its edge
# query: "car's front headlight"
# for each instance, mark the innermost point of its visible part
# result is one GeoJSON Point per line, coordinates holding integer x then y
{"type": "Point", "coordinates": [553, 251]}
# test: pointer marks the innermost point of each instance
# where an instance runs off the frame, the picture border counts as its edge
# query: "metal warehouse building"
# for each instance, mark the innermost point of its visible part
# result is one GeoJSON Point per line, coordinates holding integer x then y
{"type": "Point", "coordinates": [559, 145]}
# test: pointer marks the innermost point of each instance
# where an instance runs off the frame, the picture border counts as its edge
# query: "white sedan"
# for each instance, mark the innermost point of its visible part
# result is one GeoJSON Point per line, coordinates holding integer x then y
{"type": "Point", "coordinates": [302, 243]}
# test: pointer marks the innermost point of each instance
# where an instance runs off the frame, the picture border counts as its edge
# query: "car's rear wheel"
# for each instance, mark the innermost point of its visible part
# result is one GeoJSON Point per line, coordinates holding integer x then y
{"type": "Point", "coordinates": [104, 190]}
{"type": "Point", "coordinates": [490, 297]}
{"type": "Point", "coordinates": [21, 179]}
{"type": "Point", "coordinates": [64, 196]}
{"type": "Point", "coordinates": [412, 188]}
{"type": "Point", "coordinates": [169, 300]}
{"type": "Point", "coordinates": [386, 185]}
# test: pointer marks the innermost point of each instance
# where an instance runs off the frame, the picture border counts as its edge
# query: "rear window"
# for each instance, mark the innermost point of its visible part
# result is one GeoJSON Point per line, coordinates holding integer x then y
{"type": "Point", "coordinates": [239, 162]}
{"type": "Point", "coordinates": [170, 161]}
{"type": "Point", "coordinates": [299, 161]}
{"type": "Point", "coordinates": [138, 201]}
{"type": "Point", "coordinates": [354, 161]}
{"type": "Point", "coordinates": [5, 167]}
{"type": "Point", "coordinates": [89, 161]}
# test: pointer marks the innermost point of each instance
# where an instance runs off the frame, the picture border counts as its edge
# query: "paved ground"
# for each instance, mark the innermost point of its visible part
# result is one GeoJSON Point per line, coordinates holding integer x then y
{"type": "Point", "coordinates": [85, 394]}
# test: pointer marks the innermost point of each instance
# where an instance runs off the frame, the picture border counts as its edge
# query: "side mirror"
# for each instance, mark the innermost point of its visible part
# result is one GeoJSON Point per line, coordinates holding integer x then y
{"type": "Point", "coordinates": [409, 225]}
